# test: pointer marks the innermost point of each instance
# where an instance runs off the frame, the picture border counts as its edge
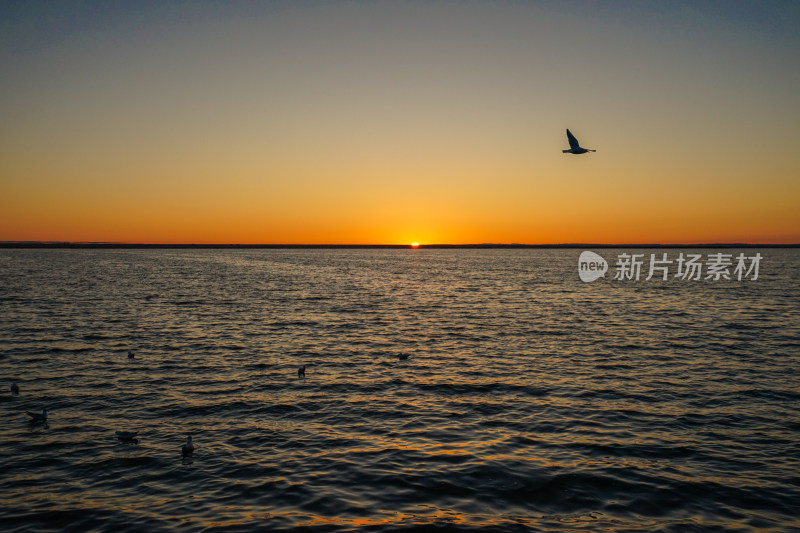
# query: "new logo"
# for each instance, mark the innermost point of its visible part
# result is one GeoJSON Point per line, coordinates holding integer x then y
{"type": "Point", "coordinates": [591, 266]}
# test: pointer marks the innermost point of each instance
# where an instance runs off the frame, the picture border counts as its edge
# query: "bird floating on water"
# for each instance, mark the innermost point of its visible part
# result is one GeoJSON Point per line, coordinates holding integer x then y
{"type": "Point", "coordinates": [301, 372]}
{"type": "Point", "coordinates": [38, 418]}
{"type": "Point", "coordinates": [128, 436]}
{"type": "Point", "coordinates": [574, 146]}
{"type": "Point", "coordinates": [130, 355]}
{"type": "Point", "coordinates": [402, 356]}
{"type": "Point", "coordinates": [187, 448]}
{"type": "Point", "coordinates": [14, 389]}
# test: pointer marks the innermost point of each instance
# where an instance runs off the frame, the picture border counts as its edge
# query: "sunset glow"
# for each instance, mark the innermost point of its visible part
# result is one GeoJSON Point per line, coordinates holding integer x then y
{"type": "Point", "coordinates": [367, 123]}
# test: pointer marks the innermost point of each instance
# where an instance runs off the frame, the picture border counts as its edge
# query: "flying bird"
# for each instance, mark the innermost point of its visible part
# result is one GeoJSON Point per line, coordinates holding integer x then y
{"type": "Point", "coordinates": [188, 448]}
{"type": "Point", "coordinates": [574, 146]}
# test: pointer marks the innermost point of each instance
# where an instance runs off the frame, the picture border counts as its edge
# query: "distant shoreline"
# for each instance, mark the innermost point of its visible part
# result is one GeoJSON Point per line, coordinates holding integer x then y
{"type": "Point", "coordinates": [114, 245]}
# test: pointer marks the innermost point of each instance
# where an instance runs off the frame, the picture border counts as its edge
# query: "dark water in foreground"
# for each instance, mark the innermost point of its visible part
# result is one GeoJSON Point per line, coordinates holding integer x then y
{"type": "Point", "coordinates": [530, 401]}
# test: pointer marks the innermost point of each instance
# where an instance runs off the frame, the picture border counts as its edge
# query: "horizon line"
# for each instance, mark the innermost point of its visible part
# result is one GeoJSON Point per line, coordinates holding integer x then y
{"type": "Point", "coordinates": [111, 245]}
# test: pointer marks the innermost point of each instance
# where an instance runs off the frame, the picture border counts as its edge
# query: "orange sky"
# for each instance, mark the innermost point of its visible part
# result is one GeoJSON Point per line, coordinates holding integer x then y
{"type": "Point", "coordinates": [438, 122]}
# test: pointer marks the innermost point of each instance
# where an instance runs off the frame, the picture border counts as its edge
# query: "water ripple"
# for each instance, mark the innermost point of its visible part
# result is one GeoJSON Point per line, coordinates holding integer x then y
{"type": "Point", "coordinates": [530, 401]}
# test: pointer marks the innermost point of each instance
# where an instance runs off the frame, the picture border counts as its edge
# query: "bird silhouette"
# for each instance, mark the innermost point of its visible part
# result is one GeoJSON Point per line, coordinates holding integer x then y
{"type": "Point", "coordinates": [128, 436]}
{"type": "Point", "coordinates": [130, 355]}
{"type": "Point", "coordinates": [402, 356]}
{"type": "Point", "coordinates": [38, 418]}
{"type": "Point", "coordinates": [188, 448]}
{"type": "Point", "coordinates": [574, 146]}
{"type": "Point", "coordinates": [301, 372]}
{"type": "Point", "coordinates": [14, 389]}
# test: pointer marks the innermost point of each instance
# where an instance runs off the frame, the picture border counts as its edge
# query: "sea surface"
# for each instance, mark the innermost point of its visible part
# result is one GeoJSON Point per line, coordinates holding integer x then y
{"type": "Point", "coordinates": [530, 400]}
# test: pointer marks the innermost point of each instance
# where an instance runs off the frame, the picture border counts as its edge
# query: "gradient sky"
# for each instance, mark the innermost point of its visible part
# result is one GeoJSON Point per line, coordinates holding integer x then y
{"type": "Point", "coordinates": [393, 122]}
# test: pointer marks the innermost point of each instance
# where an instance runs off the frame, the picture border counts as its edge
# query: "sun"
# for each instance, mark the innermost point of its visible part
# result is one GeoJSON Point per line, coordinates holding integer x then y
{"type": "Point", "coordinates": [415, 245]}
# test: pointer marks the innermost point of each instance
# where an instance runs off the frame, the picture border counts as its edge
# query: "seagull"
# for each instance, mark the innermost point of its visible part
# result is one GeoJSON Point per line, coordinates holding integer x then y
{"type": "Point", "coordinates": [128, 436]}
{"type": "Point", "coordinates": [402, 356]}
{"type": "Point", "coordinates": [14, 389]}
{"type": "Point", "coordinates": [574, 147]}
{"type": "Point", "coordinates": [130, 355]}
{"type": "Point", "coordinates": [187, 448]}
{"type": "Point", "coordinates": [38, 418]}
{"type": "Point", "coordinates": [301, 372]}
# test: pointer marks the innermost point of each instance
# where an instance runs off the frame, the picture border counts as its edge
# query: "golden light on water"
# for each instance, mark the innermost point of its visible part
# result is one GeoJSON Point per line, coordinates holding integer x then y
{"type": "Point", "coordinates": [510, 397]}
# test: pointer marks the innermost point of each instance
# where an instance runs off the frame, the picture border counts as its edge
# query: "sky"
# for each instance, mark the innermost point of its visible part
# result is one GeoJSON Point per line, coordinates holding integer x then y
{"type": "Point", "coordinates": [376, 122]}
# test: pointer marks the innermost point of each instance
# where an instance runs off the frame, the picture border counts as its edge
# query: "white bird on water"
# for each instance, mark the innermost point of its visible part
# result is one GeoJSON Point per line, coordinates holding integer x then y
{"type": "Point", "coordinates": [187, 448]}
{"type": "Point", "coordinates": [38, 418]}
{"type": "Point", "coordinates": [574, 146]}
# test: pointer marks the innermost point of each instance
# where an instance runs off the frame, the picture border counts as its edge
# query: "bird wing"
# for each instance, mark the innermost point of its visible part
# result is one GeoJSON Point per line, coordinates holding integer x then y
{"type": "Point", "coordinates": [573, 142]}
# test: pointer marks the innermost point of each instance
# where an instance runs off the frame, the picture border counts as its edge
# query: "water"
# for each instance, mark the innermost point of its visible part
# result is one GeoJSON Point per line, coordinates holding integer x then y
{"type": "Point", "coordinates": [530, 400]}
